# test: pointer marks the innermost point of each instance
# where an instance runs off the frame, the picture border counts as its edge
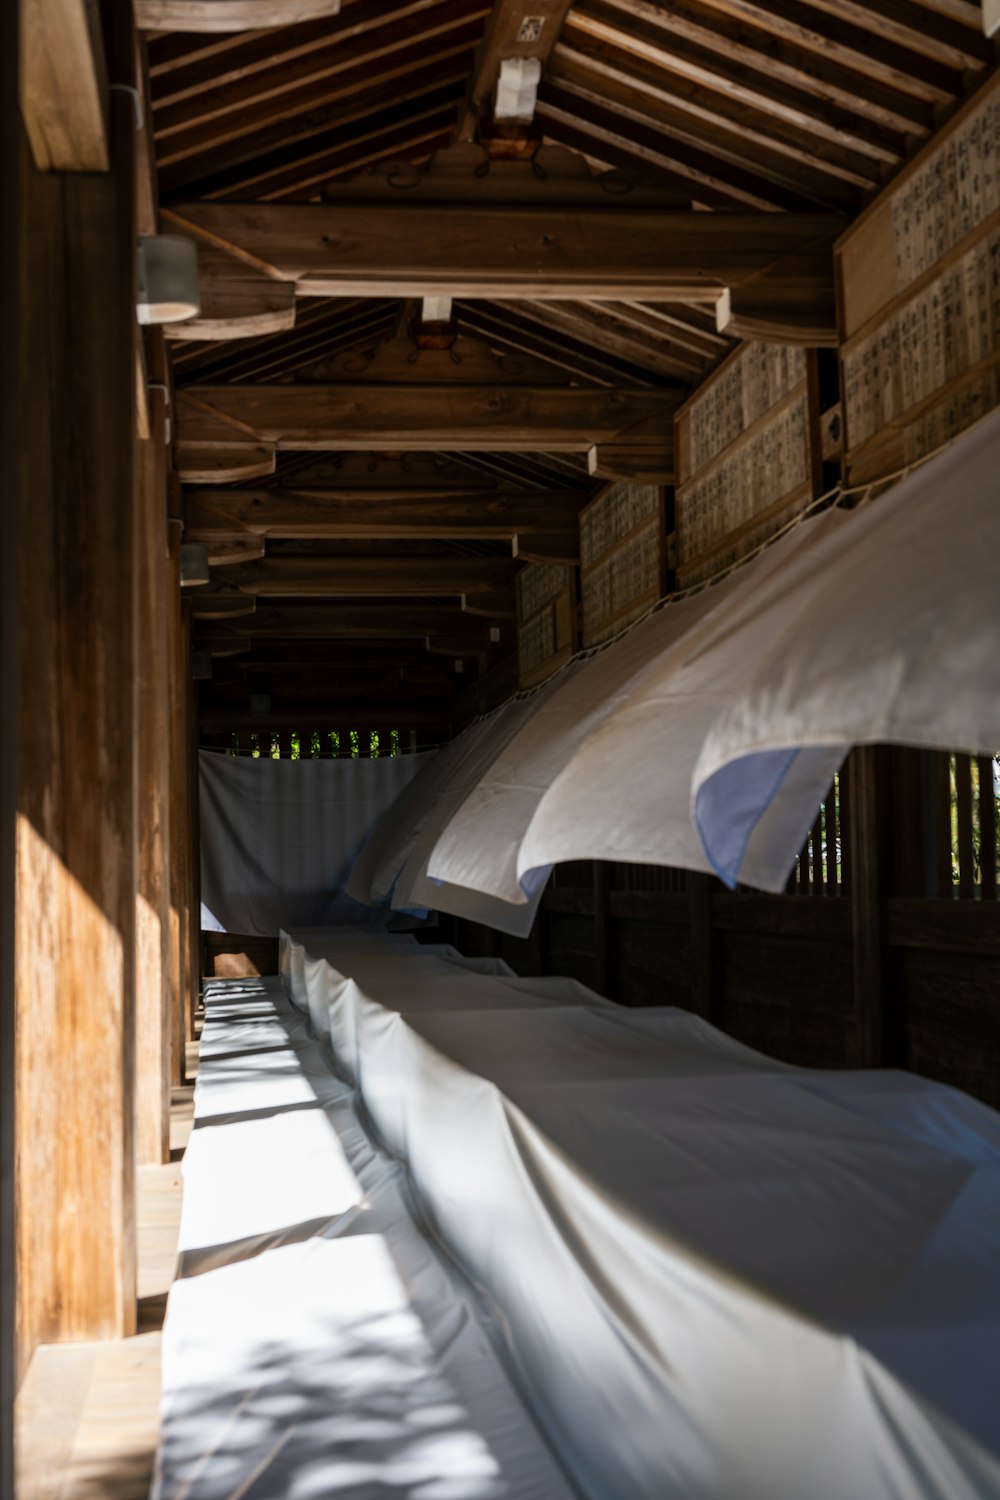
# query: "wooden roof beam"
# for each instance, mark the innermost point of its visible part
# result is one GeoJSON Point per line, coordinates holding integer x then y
{"type": "Point", "coordinates": [216, 423]}
{"type": "Point", "coordinates": [412, 248]}
{"type": "Point", "coordinates": [358, 620]}
{"type": "Point", "coordinates": [236, 303]}
{"type": "Point", "coordinates": [371, 577]}
{"type": "Point", "coordinates": [214, 515]}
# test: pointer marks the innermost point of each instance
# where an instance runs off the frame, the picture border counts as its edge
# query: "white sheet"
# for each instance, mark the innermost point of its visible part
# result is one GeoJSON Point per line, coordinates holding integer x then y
{"type": "Point", "coordinates": [279, 837]}
{"type": "Point", "coordinates": [316, 1343]}
{"type": "Point", "coordinates": [897, 642]}
{"type": "Point", "coordinates": [708, 736]}
{"type": "Point", "coordinates": [720, 1276]}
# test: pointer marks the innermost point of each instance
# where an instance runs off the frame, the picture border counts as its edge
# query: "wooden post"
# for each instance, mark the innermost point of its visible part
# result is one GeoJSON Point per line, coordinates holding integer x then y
{"type": "Point", "coordinates": [153, 937]}
{"type": "Point", "coordinates": [704, 986]}
{"type": "Point", "coordinates": [603, 967]}
{"type": "Point", "coordinates": [180, 948]}
{"type": "Point", "coordinates": [75, 893]}
{"type": "Point", "coordinates": [869, 806]}
{"type": "Point", "coordinates": [10, 424]}
{"type": "Point", "coordinates": [193, 892]}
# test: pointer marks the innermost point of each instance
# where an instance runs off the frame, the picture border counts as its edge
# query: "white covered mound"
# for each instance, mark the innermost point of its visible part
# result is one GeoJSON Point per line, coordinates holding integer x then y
{"type": "Point", "coordinates": [721, 1278]}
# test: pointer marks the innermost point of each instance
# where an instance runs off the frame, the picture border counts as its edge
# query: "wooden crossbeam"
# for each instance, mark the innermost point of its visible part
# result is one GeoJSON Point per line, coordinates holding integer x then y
{"type": "Point", "coordinates": [213, 421]}
{"type": "Point", "coordinates": [370, 713]}
{"type": "Point", "coordinates": [372, 577]}
{"type": "Point", "coordinates": [329, 621]}
{"type": "Point", "coordinates": [598, 250]}
{"type": "Point", "coordinates": [235, 304]}
{"type": "Point", "coordinates": [561, 546]}
{"type": "Point", "coordinates": [213, 515]}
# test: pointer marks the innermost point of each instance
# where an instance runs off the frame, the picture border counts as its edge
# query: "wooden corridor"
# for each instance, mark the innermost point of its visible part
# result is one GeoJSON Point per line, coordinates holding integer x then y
{"type": "Point", "coordinates": [88, 1415]}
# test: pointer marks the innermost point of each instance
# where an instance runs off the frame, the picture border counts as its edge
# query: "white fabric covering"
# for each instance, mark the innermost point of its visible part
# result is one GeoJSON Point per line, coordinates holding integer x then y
{"type": "Point", "coordinates": [897, 642]}
{"type": "Point", "coordinates": [394, 867]}
{"type": "Point", "coordinates": [316, 1343]}
{"type": "Point", "coordinates": [708, 736]}
{"type": "Point", "coordinates": [532, 795]}
{"type": "Point", "coordinates": [279, 837]}
{"type": "Point", "coordinates": [721, 1277]}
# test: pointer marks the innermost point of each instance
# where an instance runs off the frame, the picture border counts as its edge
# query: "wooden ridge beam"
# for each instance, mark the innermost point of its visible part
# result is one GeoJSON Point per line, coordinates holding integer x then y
{"type": "Point", "coordinates": [215, 422]}
{"type": "Point", "coordinates": [371, 577]}
{"type": "Point", "coordinates": [215, 515]}
{"type": "Point", "coordinates": [516, 29]}
{"type": "Point", "coordinates": [538, 251]}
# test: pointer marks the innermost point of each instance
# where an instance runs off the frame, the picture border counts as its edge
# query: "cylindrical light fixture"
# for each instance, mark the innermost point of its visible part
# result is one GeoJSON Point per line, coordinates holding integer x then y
{"type": "Point", "coordinates": [167, 279]}
{"type": "Point", "coordinates": [194, 564]}
{"type": "Point", "coordinates": [201, 665]}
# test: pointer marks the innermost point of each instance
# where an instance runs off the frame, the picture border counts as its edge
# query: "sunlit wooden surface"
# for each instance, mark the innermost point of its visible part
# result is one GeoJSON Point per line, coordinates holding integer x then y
{"type": "Point", "coordinates": [88, 1414]}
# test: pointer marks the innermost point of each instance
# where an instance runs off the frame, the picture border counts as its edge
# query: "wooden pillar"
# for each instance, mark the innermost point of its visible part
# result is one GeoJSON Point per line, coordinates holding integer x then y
{"type": "Point", "coordinates": [10, 423]}
{"type": "Point", "coordinates": [603, 964]}
{"type": "Point", "coordinates": [180, 949]}
{"type": "Point", "coordinates": [75, 874]}
{"type": "Point", "coordinates": [194, 845]}
{"type": "Point", "coordinates": [704, 965]}
{"type": "Point", "coordinates": [153, 933]}
{"type": "Point", "coordinates": [869, 869]}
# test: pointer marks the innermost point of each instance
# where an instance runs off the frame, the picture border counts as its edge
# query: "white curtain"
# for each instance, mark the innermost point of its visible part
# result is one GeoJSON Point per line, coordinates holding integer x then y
{"type": "Point", "coordinates": [279, 837]}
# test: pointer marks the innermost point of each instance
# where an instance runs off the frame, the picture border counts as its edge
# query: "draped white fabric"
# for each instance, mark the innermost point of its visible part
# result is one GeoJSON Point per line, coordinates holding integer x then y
{"type": "Point", "coordinates": [720, 1276]}
{"type": "Point", "coordinates": [708, 736]}
{"type": "Point", "coordinates": [279, 837]}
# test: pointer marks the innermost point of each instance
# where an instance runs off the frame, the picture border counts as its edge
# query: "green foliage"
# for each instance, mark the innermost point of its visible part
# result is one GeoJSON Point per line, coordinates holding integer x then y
{"type": "Point", "coordinates": [296, 744]}
{"type": "Point", "coordinates": [355, 744]}
{"type": "Point", "coordinates": [334, 742]}
{"type": "Point", "coordinates": [394, 742]}
{"type": "Point", "coordinates": [373, 745]}
{"type": "Point", "coordinates": [255, 746]}
{"type": "Point", "coordinates": [315, 746]}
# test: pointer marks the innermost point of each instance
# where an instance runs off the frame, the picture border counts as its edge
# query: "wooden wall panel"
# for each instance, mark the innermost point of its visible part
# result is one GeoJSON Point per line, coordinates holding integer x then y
{"type": "Point", "coordinates": [622, 557]}
{"type": "Point", "coordinates": [546, 620]}
{"type": "Point", "coordinates": [75, 841]}
{"type": "Point", "coordinates": [919, 294]}
{"type": "Point", "coordinates": [748, 456]}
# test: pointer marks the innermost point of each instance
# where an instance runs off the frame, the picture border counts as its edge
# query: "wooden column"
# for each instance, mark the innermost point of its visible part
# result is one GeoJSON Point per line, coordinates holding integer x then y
{"type": "Point", "coordinates": [75, 896]}
{"type": "Point", "coordinates": [10, 422]}
{"type": "Point", "coordinates": [869, 861]}
{"type": "Point", "coordinates": [153, 935]}
{"type": "Point", "coordinates": [603, 958]}
{"type": "Point", "coordinates": [705, 1000]}
{"type": "Point", "coordinates": [180, 947]}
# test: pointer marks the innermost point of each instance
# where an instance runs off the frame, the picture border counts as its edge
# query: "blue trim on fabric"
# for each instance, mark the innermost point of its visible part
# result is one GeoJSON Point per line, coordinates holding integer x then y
{"type": "Point", "coordinates": [730, 875]}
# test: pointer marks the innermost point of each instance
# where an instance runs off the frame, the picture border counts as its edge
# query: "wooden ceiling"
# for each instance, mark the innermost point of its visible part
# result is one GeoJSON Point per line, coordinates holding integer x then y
{"type": "Point", "coordinates": [361, 520]}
